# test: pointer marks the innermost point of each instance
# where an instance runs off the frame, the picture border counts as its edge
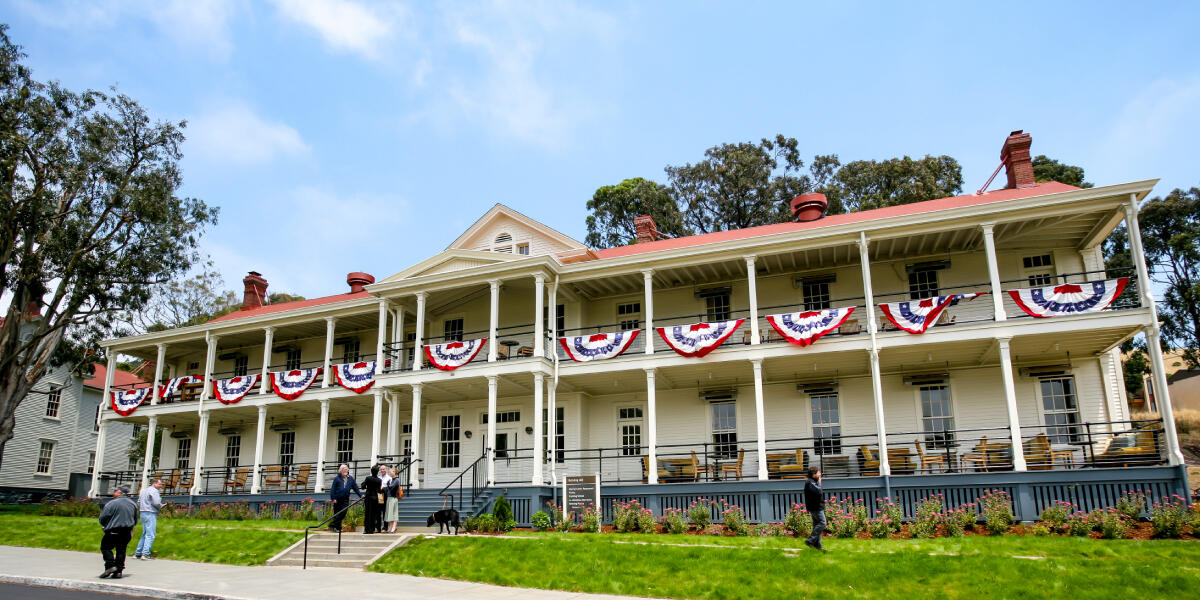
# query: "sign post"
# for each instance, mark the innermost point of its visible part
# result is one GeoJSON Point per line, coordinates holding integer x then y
{"type": "Point", "coordinates": [579, 491]}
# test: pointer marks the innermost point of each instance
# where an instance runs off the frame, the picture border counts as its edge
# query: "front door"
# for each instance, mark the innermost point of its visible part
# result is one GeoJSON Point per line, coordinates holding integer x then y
{"type": "Point", "coordinates": [506, 455]}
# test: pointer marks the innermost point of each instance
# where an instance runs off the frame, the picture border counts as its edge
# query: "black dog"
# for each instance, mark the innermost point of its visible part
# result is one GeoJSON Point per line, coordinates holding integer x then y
{"type": "Point", "coordinates": [446, 518]}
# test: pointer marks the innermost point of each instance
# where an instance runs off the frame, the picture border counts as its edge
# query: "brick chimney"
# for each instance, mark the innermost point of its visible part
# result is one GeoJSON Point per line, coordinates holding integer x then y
{"type": "Point", "coordinates": [255, 294]}
{"type": "Point", "coordinates": [647, 229]}
{"type": "Point", "coordinates": [356, 281]}
{"type": "Point", "coordinates": [1017, 164]}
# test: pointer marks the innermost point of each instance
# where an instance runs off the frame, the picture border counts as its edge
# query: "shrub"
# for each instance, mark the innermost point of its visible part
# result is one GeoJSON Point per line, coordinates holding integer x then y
{"type": "Point", "coordinates": [483, 523]}
{"type": "Point", "coordinates": [965, 515]}
{"type": "Point", "coordinates": [1131, 504]}
{"type": "Point", "coordinates": [846, 519]}
{"type": "Point", "coordinates": [879, 528]}
{"type": "Point", "coordinates": [1169, 517]}
{"type": "Point", "coordinates": [1114, 525]}
{"type": "Point", "coordinates": [1041, 530]}
{"type": "Point", "coordinates": [673, 521]}
{"type": "Point", "coordinates": [645, 521]}
{"type": "Point", "coordinates": [716, 530]}
{"type": "Point", "coordinates": [1079, 524]}
{"type": "Point", "coordinates": [355, 516]}
{"type": "Point", "coordinates": [798, 521]}
{"type": "Point", "coordinates": [891, 511]}
{"type": "Point", "coordinates": [540, 520]}
{"type": "Point", "coordinates": [1055, 515]}
{"type": "Point", "coordinates": [1194, 519]}
{"type": "Point", "coordinates": [71, 507]}
{"type": "Point", "coordinates": [625, 515]}
{"type": "Point", "coordinates": [502, 510]}
{"type": "Point", "coordinates": [735, 520]}
{"type": "Point", "coordinates": [562, 521]}
{"type": "Point", "coordinates": [953, 522]}
{"type": "Point", "coordinates": [928, 517]}
{"type": "Point", "coordinates": [700, 513]}
{"type": "Point", "coordinates": [591, 519]}
{"type": "Point", "coordinates": [777, 530]}
{"type": "Point", "coordinates": [997, 511]}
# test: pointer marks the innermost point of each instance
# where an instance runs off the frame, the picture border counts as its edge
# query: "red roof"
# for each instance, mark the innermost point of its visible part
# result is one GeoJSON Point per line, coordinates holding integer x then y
{"type": "Point", "coordinates": [119, 378]}
{"type": "Point", "coordinates": [282, 306]}
{"type": "Point", "coordinates": [1041, 189]}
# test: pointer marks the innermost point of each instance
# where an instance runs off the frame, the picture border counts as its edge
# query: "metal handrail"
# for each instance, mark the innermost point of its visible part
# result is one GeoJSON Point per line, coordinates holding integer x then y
{"type": "Point", "coordinates": [473, 468]}
{"type": "Point", "coordinates": [342, 512]}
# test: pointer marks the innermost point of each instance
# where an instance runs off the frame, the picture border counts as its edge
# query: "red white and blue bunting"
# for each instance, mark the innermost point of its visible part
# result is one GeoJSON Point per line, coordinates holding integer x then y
{"type": "Point", "coordinates": [698, 339]}
{"type": "Point", "coordinates": [804, 328]}
{"type": "Point", "coordinates": [1069, 298]}
{"type": "Point", "coordinates": [127, 401]}
{"type": "Point", "coordinates": [915, 316]}
{"type": "Point", "coordinates": [175, 383]}
{"type": "Point", "coordinates": [232, 390]}
{"type": "Point", "coordinates": [598, 346]}
{"type": "Point", "coordinates": [449, 356]}
{"type": "Point", "coordinates": [357, 377]}
{"type": "Point", "coordinates": [290, 384]}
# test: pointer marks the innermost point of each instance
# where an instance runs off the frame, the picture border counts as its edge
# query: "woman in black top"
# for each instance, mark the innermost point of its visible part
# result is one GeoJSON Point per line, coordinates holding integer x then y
{"type": "Point", "coordinates": [372, 489]}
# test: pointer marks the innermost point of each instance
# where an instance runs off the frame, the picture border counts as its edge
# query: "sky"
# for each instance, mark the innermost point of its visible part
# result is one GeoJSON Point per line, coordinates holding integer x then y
{"type": "Point", "coordinates": [342, 135]}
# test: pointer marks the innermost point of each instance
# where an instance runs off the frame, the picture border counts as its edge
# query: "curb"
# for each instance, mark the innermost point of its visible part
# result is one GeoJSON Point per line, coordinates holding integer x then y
{"type": "Point", "coordinates": [111, 588]}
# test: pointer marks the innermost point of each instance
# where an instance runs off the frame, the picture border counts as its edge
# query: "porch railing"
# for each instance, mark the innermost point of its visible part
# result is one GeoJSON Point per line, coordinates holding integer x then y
{"type": "Point", "coordinates": [472, 480]}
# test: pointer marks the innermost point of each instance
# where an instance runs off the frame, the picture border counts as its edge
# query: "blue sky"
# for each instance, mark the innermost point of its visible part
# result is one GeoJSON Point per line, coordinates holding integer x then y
{"type": "Point", "coordinates": [341, 136]}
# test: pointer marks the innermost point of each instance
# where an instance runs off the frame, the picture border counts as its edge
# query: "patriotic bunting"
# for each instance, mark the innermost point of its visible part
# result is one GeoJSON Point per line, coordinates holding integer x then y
{"type": "Point", "coordinates": [125, 402]}
{"type": "Point", "coordinates": [232, 390]}
{"type": "Point", "coordinates": [698, 339]}
{"type": "Point", "coordinates": [804, 328]}
{"type": "Point", "coordinates": [449, 356]}
{"type": "Point", "coordinates": [357, 377]}
{"type": "Point", "coordinates": [175, 383]}
{"type": "Point", "coordinates": [290, 384]}
{"type": "Point", "coordinates": [598, 346]}
{"type": "Point", "coordinates": [916, 316]}
{"type": "Point", "coordinates": [1069, 298]}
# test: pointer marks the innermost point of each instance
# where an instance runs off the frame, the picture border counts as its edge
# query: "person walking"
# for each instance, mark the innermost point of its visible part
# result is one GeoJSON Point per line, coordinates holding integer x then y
{"type": "Point", "coordinates": [373, 503]}
{"type": "Point", "coordinates": [814, 501]}
{"type": "Point", "coordinates": [391, 510]}
{"type": "Point", "coordinates": [339, 492]}
{"type": "Point", "coordinates": [149, 503]}
{"type": "Point", "coordinates": [117, 518]}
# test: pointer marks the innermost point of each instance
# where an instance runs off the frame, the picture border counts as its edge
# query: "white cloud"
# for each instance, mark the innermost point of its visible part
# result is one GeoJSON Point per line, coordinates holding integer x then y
{"type": "Point", "coordinates": [233, 133]}
{"type": "Point", "coordinates": [343, 24]}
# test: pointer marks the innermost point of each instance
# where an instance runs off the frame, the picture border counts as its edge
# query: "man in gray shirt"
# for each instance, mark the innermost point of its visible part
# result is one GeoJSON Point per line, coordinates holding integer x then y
{"type": "Point", "coordinates": [149, 501]}
{"type": "Point", "coordinates": [117, 518]}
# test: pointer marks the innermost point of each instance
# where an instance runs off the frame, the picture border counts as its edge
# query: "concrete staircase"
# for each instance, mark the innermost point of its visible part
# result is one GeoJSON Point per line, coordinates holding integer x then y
{"type": "Point", "coordinates": [358, 550]}
{"type": "Point", "coordinates": [417, 505]}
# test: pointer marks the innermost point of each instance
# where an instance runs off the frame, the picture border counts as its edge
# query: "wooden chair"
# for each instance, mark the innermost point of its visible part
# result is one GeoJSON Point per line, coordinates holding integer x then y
{"type": "Point", "coordinates": [300, 481]}
{"type": "Point", "coordinates": [272, 477]}
{"type": "Point", "coordinates": [1038, 456]}
{"type": "Point", "coordinates": [850, 327]}
{"type": "Point", "coordinates": [185, 484]}
{"type": "Point", "coordinates": [734, 469]}
{"type": "Point", "coordinates": [171, 481]}
{"type": "Point", "coordinates": [868, 461]}
{"type": "Point", "coordinates": [929, 461]}
{"type": "Point", "coordinates": [663, 474]}
{"type": "Point", "coordinates": [1137, 447]}
{"type": "Point", "coordinates": [237, 482]}
{"type": "Point", "coordinates": [977, 457]}
{"type": "Point", "coordinates": [525, 352]}
{"type": "Point", "coordinates": [191, 391]}
{"type": "Point", "coordinates": [787, 465]}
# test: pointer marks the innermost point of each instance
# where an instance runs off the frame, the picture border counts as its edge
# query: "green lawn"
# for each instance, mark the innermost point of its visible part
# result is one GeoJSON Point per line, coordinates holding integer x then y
{"type": "Point", "coordinates": [681, 567]}
{"type": "Point", "coordinates": [228, 542]}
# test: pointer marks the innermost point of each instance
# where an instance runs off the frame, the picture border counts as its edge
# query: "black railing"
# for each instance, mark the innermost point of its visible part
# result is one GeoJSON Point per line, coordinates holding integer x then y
{"type": "Point", "coordinates": [474, 473]}
{"type": "Point", "coordinates": [342, 513]}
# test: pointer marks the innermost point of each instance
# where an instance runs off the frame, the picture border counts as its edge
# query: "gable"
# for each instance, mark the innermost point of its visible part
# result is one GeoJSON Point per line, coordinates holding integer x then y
{"type": "Point", "coordinates": [505, 231]}
{"type": "Point", "coordinates": [449, 261]}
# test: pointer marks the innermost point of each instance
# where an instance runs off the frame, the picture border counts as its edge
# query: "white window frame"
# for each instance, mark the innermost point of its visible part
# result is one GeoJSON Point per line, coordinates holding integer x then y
{"type": "Point", "coordinates": [813, 425]}
{"type": "Point", "coordinates": [559, 434]}
{"type": "Point", "coordinates": [920, 413]}
{"type": "Point", "coordinates": [229, 445]}
{"type": "Point", "coordinates": [523, 249]}
{"type": "Point", "coordinates": [54, 395]}
{"type": "Point", "coordinates": [1041, 406]}
{"type": "Point", "coordinates": [454, 317]}
{"type": "Point", "coordinates": [183, 461]}
{"type": "Point", "coordinates": [288, 362]}
{"type": "Point", "coordinates": [1049, 272]}
{"type": "Point", "coordinates": [639, 421]}
{"type": "Point", "coordinates": [632, 320]}
{"type": "Point", "coordinates": [338, 455]}
{"type": "Point", "coordinates": [442, 455]}
{"type": "Point", "coordinates": [283, 442]}
{"type": "Point", "coordinates": [241, 365]}
{"type": "Point", "coordinates": [712, 430]}
{"type": "Point", "coordinates": [91, 461]}
{"type": "Point", "coordinates": [37, 465]}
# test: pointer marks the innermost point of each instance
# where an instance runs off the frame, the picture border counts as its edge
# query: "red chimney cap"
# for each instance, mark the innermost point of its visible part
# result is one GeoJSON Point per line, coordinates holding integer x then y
{"type": "Point", "coordinates": [357, 280]}
{"type": "Point", "coordinates": [809, 207]}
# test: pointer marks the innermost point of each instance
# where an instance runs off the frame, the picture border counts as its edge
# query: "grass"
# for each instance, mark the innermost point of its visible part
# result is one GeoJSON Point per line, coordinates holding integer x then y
{"type": "Point", "coordinates": [751, 568]}
{"type": "Point", "coordinates": [226, 542]}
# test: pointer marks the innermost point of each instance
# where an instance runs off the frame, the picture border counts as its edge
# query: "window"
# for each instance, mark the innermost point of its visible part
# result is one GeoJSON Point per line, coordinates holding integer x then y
{"type": "Point", "coordinates": [91, 462]}
{"type": "Point", "coordinates": [53, 401]}
{"type": "Point", "coordinates": [344, 451]}
{"type": "Point", "coordinates": [724, 428]}
{"type": "Point", "coordinates": [523, 249]}
{"type": "Point", "coordinates": [233, 450]}
{"type": "Point", "coordinates": [287, 447]}
{"type": "Point", "coordinates": [560, 317]}
{"type": "Point", "coordinates": [241, 365]}
{"type": "Point", "coordinates": [1061, 409]}
{"type": "Point", "coordinates": [45, 458]}
{"type": "Point", "coordinates": [448, 442]}
{"type": "Point", "coordinates": [350, 351]}
{"type": "Point", "coordinates": [717, 306]}
{"type": "Point", "coordinates": [629, 315]}
{"type": "Point", "coordinates": [923, 283]}
{"type": "Point", "coordinates": [406, 443]}
{"type": "Point", "coordinates": [96, 421]}
{"type": "Point", "coordinates": [826, 423]}
{"type": "Point", "coordinates": [1039, 270]}
{"type": "Point", "coordinates": [503, 243]}
{"type": "Point", "coordinates": [293, 359]}
{"type": "Point", "coordinates": [816, 293]}
{"type": "Point", "coordinates": [453, 329]}
{"type": "Point", "coordinates": [560, 436]}
{"type": "Point", "coordinates": [411, 339]}
{"type": "Point", "coordinates": [193, 366]}
{"type": "Point", "coordinates": [183, 454]}
{"type": "Point", "coordinates": [937, 415]}
{"type": "Point", "coordinates": [629, 430]}
{"type": "Point", "coordinates": [508, 416]}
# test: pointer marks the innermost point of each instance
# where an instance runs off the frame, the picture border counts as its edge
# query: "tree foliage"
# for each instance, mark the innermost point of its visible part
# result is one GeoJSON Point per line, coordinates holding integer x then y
{"type": "Point", "coordinates": [1171, 238]}
{"type": "Point", "coordinates": [192, 299]}
{"type": "Point", "coordinates": [89, 220]}
{"type": "Point", "coordinates": [614, 207]}
{"type": "Point", "coordinates": [1048, 169]}
{"type": "Point", "coordinates": [868, 184]}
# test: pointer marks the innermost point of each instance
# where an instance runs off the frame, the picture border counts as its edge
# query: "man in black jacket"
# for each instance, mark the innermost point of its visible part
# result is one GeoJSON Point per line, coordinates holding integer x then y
{"type": "Point", "coordinates": [372, 489]}
{"type": "Point", "coordinates": [814, 501]}
{"type": "Point", "coordinates": [117, 518]}
{"type": "Point", "coordinates": [339, 492]}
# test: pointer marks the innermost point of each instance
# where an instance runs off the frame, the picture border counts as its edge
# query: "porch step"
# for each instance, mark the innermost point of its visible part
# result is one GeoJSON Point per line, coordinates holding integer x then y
{"type": "Point", "coordinates": [358, 550]}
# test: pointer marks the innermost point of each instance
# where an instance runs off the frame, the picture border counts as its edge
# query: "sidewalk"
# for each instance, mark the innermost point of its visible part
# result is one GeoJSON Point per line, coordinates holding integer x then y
{"type": "Point", "coordinates": [191, 580]}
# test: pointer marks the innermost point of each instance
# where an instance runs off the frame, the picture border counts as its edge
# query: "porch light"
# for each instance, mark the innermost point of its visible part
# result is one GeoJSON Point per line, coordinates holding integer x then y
{"type": "Point", "coordinates": [467, 433]}
{"type": "Point", "coordinates": [529, 430]}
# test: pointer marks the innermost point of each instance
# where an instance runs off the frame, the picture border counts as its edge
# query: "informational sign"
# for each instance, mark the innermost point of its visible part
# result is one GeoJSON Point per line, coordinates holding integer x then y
{"type": "Point", "coordinates": [580, 491]}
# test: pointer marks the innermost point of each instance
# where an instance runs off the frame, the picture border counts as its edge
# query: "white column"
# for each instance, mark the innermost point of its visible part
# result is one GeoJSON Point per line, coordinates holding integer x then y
{"type": "Point", "coordinates": [752, 282]}
{"type": "Point", "coordinates": [1162, 395]}
{"type": "Point", "coordinates": [397, 338]}
{"type": "Point", "coordinates": [651, 427]}
{"type": "Point", "coordinates": [760, 420]}
{"type": "Point", "coordinates": [264, 383]}
{"type": "Point", "coordinates": [419, 339]}
{"type": "Point", "coordinates": [330, 328]}
{"type": "Point", "coordinates": [150, 434]}
{"type": "Point", "coordinates": [989, 247]}
{"type": "Point", "coordinates": [553, 320]}
{"type": "Point", "coordinates": [256, 481]}
{"type": "Point", "coordinates": [1010, 401]}
{"type": "Point", "coordinates": [491, 431]}
{"type": "Point", "coordinates": [880, 427]}
{"type": "Point", "coordinates": [391, 448]}
{"type": "Point", "coordinates": [383, 312]}
{"type": "Point", "coordinates": [552, 429]}
{"type": "Point", "coordinates": [158, 373]}
{"type": "Point", "coordinates": [413, 479]}
{"type": "Point", "coordinates": [322, 442]}
{"type": "Point", "coordinates": [493, 319]}
{"type": "Point", "coordinates": [376, 425]}
{"type": "Point", "coordinates": [864, 260]}
{"type": "Point", "coordinates": [648, 311]}
{"type": "Point", "coordinates": [201, 449]}
{"type": "Point", "coordinates": [539, 385]}
{"type": "Point", "coordinates": [209, 359]}
{"type": "Point", "coordinates": [539, 309]}
{"type": "Point", "coordinates": [101, 434]}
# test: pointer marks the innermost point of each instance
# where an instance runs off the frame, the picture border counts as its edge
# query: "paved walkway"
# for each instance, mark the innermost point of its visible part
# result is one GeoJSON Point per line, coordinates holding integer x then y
{"type": "Point", "coordinates": [201, 581]}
